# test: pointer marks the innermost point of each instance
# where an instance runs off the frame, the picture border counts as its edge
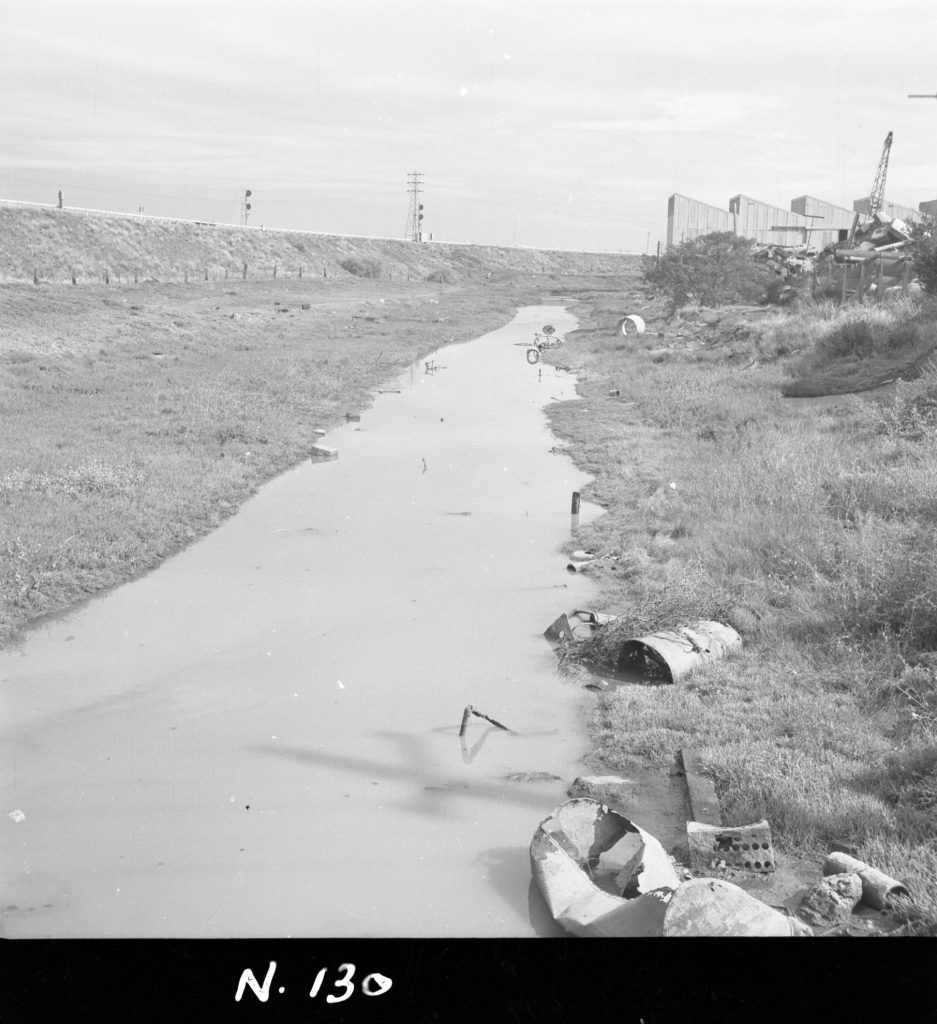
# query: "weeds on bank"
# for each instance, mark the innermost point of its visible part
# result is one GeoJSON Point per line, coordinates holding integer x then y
{"type": "Point", "coordinates": [814, 532]}
{"type": "Point", "coordinates": [857, 348]}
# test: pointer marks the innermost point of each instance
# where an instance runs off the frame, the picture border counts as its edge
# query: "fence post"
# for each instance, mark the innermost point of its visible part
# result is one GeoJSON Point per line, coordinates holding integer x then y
{"type": "Point", "coordinates": [300, 271]}
{"type": "Point", "coordinates": [35, 275]}
{"type": "Point", "coordinates": [186, 275]}
{"type": "Point", "coordinates": [274, 270]}
{"type": "Point", "coordinates": [245, 272]}
{"type": "Point", "coordinates": [107, 277]}
{"type": "Point", "coordinates": [206, 273]}
{"type": "Point", "coordinates": [74, 278]}
{"type": "Point", "coordinates": [226, 273]}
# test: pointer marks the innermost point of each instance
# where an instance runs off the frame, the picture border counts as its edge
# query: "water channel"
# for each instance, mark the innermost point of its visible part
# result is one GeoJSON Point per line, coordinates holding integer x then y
{"type": "Point", "coordinates": [261, 737]}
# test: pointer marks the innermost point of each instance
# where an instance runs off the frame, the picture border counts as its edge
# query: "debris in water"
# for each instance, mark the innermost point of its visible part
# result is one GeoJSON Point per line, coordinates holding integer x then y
{"type": "Point", "coordinates": [469, 711]}
{"type": "Point", "coordinates": [578, 624]}
{"type": "Point", "coordinates": [17, 816]}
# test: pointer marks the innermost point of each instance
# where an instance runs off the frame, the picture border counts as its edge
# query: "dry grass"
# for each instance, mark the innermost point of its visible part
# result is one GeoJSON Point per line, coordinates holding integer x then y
{"type": "Point", "coordinates": [135, 419]}
{"type": "Point", "coordinates": [811, 528]}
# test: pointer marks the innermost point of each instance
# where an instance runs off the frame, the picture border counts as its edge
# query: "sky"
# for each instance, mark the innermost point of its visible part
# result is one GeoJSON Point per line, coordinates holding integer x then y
{"type": "Point", "coordinates": [548, 123]}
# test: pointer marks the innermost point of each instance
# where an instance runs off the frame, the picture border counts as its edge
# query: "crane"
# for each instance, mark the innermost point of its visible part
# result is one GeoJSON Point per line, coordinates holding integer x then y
{"type": "Point", "coordinates": [877, 195]}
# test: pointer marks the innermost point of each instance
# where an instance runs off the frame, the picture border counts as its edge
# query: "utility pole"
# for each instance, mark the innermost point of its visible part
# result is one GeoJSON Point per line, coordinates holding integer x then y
{"type": "Point", "coordinates": [415, 213]}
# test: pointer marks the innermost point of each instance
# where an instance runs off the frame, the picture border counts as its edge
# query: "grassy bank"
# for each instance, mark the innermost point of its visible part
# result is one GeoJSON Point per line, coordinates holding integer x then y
{"type": "Point", "coordinates": [55, 246]}
{"type": "Point", "coordinates": [810, 527]}
{"type": "Point", "coordinates": [137, 418]}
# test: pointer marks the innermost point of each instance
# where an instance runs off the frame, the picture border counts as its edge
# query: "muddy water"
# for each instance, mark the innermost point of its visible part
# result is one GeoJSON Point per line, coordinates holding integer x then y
{"type": "Point", "coordinates": [260, 738]}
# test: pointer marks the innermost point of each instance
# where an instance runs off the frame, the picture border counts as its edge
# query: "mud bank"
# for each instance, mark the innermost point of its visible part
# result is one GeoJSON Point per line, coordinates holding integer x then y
{"type": "Point", "coordinates": [261, 737]}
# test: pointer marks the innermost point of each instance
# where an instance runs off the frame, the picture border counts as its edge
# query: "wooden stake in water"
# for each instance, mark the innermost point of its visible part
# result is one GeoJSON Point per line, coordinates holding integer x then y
{"type": "Point", "coordinates": [469, 711]}
{"type": "Point", "coordinates": [574, 512]}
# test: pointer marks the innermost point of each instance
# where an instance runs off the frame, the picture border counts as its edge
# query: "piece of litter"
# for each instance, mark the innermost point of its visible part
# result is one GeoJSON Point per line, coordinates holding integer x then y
{"type": "Point", "coordinates": [673, 486]}
{"type": "Point", "coordinates": [17, 816]}
{"type": "Point", "coordinates": [340, 686]}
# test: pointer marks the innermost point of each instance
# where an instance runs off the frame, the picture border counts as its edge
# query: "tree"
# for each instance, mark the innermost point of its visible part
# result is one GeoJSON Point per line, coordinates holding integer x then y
{"type": "Point", "coordinates": [714, 269]}
{"type": "Point", "coordinates": [923, 252]}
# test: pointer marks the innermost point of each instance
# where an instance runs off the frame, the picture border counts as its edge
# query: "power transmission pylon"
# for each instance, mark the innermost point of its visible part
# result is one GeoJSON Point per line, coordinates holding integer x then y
{"type": "Point", "coordinates": [415, 214]}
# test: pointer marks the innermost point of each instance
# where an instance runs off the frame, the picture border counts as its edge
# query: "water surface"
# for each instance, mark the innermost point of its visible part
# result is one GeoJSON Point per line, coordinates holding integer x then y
{"type": "Point", "coordinates": [260, 738]}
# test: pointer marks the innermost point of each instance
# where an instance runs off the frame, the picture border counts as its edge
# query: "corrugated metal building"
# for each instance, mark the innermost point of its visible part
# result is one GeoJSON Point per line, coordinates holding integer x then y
{"type": "Point", "coordinates": [907, 213]}
{"type": "Point", "coordinates": [771, 225]}
{"type": "Point", "coordinates": [809, 219]}
{"type": "Point", "coordinates": [830, 223]}
{"type": "Point", "coordinates": [689, 218]}
{"type": "Point", "coordinates": [929, 209]}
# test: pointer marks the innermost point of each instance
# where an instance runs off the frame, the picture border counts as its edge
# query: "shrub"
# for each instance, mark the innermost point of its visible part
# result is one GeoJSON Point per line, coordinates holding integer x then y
{"type": "Point", "coordinates": [361, 267]}
{"type": "Point", "coordinates": [714, 269]}
{"type": "Point", "coordinates": [440, 277]}
{"type": "Point", "coordinates": [923, 252]}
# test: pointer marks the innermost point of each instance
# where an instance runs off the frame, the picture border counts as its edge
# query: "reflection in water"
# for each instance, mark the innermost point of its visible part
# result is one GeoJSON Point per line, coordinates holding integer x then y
{"type": "Point", "coordinates": [468, 756]}
{"type": "Point", "coordinates": [262, 667]}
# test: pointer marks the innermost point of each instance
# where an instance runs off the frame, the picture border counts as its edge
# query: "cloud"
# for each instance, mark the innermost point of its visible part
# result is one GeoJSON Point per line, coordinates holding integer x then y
{"type": "Point", "coordinates": [699, 112]}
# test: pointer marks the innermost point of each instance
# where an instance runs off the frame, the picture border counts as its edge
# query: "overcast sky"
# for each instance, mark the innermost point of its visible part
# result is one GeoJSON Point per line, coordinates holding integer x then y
{"type": "Point", "coordinates": [553, 123]}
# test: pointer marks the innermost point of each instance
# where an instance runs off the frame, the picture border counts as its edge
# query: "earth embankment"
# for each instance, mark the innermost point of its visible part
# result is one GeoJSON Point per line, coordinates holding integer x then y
{"type": "Point", "coordinates": [49, 244]}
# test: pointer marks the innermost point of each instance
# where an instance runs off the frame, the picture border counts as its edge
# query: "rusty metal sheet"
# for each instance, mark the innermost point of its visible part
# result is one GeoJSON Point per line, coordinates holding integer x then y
{"type": "Point", "coordinates": [747, 848]}
{"type": "Point", "coordinates": [671, 654]}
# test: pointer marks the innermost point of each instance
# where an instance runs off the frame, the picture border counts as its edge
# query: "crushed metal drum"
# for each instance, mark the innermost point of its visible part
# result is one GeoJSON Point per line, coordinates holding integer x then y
{"type": "Point", "coordinates": [600, 874]}
{"type": "Point", "coordinates": [746, 848]}
{"type": "Point", "coordinates": [603, 876]}
{"type": "Point", "coordinates": [671, 654]}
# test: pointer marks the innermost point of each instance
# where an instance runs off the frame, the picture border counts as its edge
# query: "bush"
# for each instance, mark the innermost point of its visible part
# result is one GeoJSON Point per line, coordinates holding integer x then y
{"type": "Point", "coordinates": [861, 352]}
{"type": "Point", "coordinates": [923, 252]}
{"type": "Point", "coordinates": [714, 269]}
{"type": "Point", "coordinates": [361, 267]}
{"type": "Point", "coordinates": [440, 277]}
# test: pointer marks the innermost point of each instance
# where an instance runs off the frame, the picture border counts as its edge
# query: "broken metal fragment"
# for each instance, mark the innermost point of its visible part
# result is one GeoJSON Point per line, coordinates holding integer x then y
{"type": "Point", "coordinates": [747, 848]}
{"type": "Point", "coordinates": [578, 624]}
{"type": "Point", "coordinates": [602, 875]}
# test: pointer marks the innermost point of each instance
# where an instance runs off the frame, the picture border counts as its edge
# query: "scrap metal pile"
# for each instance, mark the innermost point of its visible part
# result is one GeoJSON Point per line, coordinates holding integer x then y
{"type": "Point", "coordinates": [793, 265]}
{"type": "Point", "coordinates": [873, 263]}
